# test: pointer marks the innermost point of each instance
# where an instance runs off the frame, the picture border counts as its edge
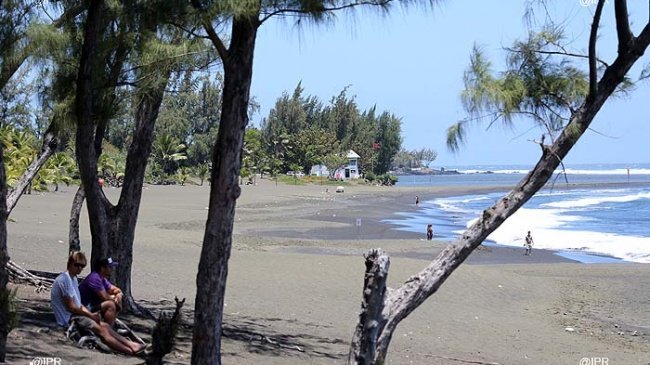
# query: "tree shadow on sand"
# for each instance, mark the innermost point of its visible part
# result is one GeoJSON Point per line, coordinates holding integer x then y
{"type": "Point", "coordinates": [37, 335]}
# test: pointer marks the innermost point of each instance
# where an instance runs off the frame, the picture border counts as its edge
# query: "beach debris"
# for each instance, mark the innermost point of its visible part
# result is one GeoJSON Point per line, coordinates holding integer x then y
{"type": "Point", "coordinates": [499, 286]}
{"type": "Point", "coordinates": [635, 333]}
{"type": "Point", "coordinates": [18, 274]}
{"type": "Point", "coordinates": [569, 329]}
{"type": "Point", "coordinates": [620, 333]}
{"type": "Point", "coordinates": [60, 241]}
{"type": "Point", "coordinates": [340, 189]}
{"type": "Point", "coordinates": [277, 343]}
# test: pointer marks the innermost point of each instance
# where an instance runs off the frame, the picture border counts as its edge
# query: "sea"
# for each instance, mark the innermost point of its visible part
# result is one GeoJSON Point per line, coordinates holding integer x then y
{"type": "Point", "coordinates": [596, 213]}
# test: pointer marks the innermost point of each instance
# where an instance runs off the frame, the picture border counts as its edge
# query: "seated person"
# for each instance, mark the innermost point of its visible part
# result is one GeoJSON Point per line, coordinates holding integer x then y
{"type": "Point", "coordinates": [66, 305]}
{"type": "Point", "coordinates": [98, 294]}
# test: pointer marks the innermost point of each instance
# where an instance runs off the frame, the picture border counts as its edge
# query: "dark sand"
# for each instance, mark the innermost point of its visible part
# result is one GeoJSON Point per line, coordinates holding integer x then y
{"type": "Point", "coordinates": [295, 279]}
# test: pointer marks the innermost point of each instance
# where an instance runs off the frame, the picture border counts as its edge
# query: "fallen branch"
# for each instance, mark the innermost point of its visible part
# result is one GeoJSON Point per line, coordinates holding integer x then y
{"type": "Point", "coordinates": [462, 360]}
{"type": "Point", "coordinates": [19, 275]}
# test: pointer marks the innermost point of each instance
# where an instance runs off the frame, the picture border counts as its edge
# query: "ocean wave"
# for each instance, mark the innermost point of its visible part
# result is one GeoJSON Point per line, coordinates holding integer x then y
{"type": "Point", "coordinates": [620, 171]}
{"type": "Point", "coordinates": [546, 224]}
{"type": "Point", "coordinates": [569, 171]}
{"type": "Point", "coordinates": [493, 171]}
{"type": "Point", "coordinates": [450, 207]}
{"type": "Point", "coordinates": [593, 201]}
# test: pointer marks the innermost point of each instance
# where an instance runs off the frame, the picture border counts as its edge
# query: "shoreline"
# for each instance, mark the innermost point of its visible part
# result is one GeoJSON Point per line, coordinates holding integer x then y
{"type": "Point", "coordinates": [388, 204]}
{"type": "Point", "coordinates": [302, 292]}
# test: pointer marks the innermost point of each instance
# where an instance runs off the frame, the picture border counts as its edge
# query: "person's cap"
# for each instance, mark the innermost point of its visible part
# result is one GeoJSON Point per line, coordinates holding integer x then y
{"type": "Point", "coordinates": [108, 262]}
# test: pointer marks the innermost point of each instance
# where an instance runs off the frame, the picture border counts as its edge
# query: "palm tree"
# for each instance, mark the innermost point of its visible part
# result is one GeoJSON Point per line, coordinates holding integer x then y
{"type": "Point", "coordinates": [202, 171]}
{"type": "Point", "coordinates": [167, 151]}
{"type": "Point", "coordinates": [61, 167]}
{"type": "Point", "coordinates": [182, 175]}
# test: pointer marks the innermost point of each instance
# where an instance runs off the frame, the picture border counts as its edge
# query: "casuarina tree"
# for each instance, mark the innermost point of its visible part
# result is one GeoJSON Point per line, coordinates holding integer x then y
{"type": "Point", "coordinates": [384, 308]}
{"type": "Point", "coordinates": [244, 19]}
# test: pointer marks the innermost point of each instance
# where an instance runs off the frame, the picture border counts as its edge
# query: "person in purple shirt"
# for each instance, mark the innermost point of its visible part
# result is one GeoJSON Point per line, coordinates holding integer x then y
{"type": "Point", "coordinates": [98, 294]}
{"type": "Point", "coordinates": [67, 309]}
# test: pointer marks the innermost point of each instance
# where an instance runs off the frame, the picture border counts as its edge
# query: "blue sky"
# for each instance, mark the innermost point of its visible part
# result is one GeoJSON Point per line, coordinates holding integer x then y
{"type": "Point", "coordinates": [411, 63]}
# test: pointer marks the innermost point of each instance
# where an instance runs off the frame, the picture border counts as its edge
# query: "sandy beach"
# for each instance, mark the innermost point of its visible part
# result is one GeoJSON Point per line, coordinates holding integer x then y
{"type": "Point", "coordinates": [296, 273]}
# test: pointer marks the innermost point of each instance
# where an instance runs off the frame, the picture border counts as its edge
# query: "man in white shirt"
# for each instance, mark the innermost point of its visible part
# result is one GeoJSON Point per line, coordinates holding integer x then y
{"type": "Point", "coordinates": [66, 305]}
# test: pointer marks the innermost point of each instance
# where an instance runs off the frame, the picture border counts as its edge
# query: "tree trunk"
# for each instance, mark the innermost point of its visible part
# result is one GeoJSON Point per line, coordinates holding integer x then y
{"type": "Point", "coordinates": [50, 145]}
{"type": "Point", "coordinates": [399, 303]}
{"type": "Point", "coordinates": [113, 227]}
{"type": "Point", "coordinates": [163, 336]}
{"type": "Point", "coordinates": [86, 101]}
{"type": "Point", "coordinates": [74, 244]}
{"type": "Point", "coordinates": [123, 228]}
{"type": "Point", "coordinates": [224, 191]}
{"type": "Point", "coordinates": [4, 258]}
{"type": "Point", "coordinates": [364, 341]}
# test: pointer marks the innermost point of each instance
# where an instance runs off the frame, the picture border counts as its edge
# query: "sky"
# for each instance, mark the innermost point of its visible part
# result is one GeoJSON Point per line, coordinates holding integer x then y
{"type": "Point", "coordinates": [411, 63]}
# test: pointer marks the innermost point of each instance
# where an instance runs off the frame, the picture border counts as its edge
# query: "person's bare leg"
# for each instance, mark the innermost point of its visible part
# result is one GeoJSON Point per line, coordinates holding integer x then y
{"type": "Point", "coordinates": [109, 311]}
{"type": "Point", "coordinates": [103, 330]}
{"type": "Point", "coordinates": [134, 346]}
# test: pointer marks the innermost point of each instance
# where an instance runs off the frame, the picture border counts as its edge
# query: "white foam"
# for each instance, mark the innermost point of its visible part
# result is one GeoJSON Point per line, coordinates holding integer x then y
{"type": "Point", "coordinates": [452, 205]}
{"type": "Point", "coordinates": [585, 202]}
{"type": "Point", "coordinates": [569, 171]}
{"type": "Point", "coordinates": [544, 225]}
{"type": "Point", "coordinates": [623, 171]}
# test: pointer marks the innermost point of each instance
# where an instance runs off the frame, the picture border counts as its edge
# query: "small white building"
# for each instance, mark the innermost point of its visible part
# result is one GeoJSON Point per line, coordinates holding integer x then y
{"type": "Point", "coordinates": [351, 171]}
{"type": "Point", "coordinates": [319, 170]}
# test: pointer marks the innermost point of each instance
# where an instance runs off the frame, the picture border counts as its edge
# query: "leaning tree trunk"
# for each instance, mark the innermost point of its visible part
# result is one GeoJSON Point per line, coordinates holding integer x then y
{"type": "Point", "coordinates": [384, 308]}
{"type": "Point", "coordinates": [224, 190]}
{"type": "Point", "coordinates": [123, 228]}
{"type": "Point", "coordinates": [74, 244]}
{"type": "Point", "coordinates": [51, 144]}
{"type": "Point", "coordinates": [5, 295]}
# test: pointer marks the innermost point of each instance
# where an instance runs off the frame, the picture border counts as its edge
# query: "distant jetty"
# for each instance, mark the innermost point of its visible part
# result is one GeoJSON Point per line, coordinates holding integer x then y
{"type": "Point", "coordinates": [425, 171]}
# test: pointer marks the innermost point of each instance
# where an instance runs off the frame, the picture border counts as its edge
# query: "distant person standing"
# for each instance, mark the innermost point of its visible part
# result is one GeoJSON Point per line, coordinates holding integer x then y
{"type": "Point", "coordinates": [417, 201]}
{"type": "Point", "coordinates": [528, 244]}
{"type": "Point", "coordinates": [429, 232]}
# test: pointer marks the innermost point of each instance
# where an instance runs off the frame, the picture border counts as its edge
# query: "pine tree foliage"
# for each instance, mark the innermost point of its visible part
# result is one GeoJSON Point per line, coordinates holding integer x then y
{"type": "Point", "coordinates": [537, 84]}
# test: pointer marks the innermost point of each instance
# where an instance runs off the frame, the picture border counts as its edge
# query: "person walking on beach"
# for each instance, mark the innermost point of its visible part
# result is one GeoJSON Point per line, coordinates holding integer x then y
{"type": "Point", "coordinates": [429, 232]}
{"type": "Point", "coordinates": [528, 244]}
{"type": "Point", "coordinates": [65, 301]}
{"type": "Point", "coordinates": [417, 201]}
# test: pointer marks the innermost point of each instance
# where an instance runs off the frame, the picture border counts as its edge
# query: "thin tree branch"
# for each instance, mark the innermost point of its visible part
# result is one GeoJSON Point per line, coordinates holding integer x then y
{"type": "Point", "coordinates": [563, 53]}
{"type": "Point", "coordinates": [625, 37]}
{"type": "Point", "coordinates": [643, 39]}
{"type": "Point", "coordinates": [300, 12]}
{"type": "Point", "coordinates": [191, 32]}
{"type": "Point", "coordinates": [549, 108]}
{"type": "Point", "coordinates": [216, 40]}
{"type": "Point", "coordinates": [186, 54]}
{"type": "Point", "coordinates": [593, 37]}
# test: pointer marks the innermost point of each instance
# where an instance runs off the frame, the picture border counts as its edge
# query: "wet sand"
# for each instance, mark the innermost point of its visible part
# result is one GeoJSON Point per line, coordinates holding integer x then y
{"type": "Point", "coordinates": [296, 273]}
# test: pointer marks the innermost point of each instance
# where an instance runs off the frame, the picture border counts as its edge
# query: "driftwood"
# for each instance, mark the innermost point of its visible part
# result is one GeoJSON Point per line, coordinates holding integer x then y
{"type": "Point", "coordinates": [127, 332]}
{"type": "Point", "coordinates": [19, 275]}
